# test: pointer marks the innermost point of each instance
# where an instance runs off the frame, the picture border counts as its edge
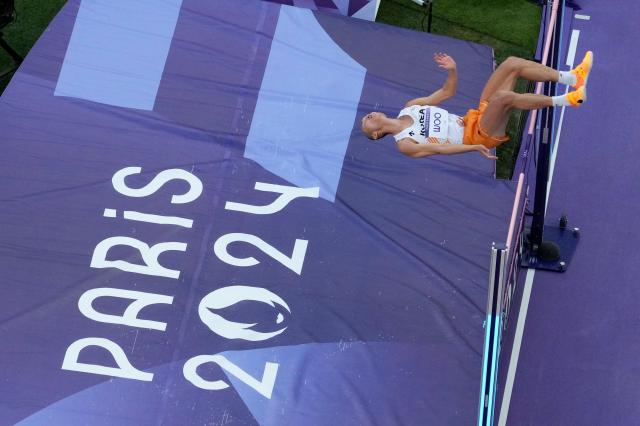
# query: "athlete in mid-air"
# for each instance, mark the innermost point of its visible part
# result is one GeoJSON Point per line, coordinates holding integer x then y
{"type": "Point", "coordinates": [422, 129]}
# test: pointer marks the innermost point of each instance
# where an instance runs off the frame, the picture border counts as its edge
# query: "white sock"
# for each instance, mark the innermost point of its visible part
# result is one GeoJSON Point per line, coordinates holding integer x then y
{"type": "Point", "coordinates": [567, 77]}
{"type": "Point", "coordinates": [560, 101]}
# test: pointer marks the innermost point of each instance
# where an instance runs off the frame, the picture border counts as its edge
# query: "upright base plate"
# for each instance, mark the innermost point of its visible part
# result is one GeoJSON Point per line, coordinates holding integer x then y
{"type": "Point", "coordinates": [565, 238]}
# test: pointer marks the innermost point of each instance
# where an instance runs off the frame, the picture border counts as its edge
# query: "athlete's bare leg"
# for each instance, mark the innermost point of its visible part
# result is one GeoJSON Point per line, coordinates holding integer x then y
{"type": "Point", "coordinates": [507, 73]}
{"type": "Point", "coordinates": [496, 115]}
{"type": "Point", "coordinates": [499, 92]}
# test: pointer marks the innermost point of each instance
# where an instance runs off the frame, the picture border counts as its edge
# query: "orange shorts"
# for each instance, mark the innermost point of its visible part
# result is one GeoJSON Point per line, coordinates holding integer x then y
{"type": "Point", "coordinates": [474, 134]}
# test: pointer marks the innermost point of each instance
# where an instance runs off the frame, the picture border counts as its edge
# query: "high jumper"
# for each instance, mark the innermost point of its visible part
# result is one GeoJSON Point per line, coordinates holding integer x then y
{"type": "Point", "coordinates": [422, 129]}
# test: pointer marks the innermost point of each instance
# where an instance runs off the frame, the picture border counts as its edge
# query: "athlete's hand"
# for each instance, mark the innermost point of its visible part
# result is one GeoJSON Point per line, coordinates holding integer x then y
{"type": "Point", "coordinates": [444, 61]}
{"type": "Point", "coordinates": [486, 152]}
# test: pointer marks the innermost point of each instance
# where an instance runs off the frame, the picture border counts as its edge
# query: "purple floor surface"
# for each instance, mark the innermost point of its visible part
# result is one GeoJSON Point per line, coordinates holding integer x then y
{"type": "Point", "coordinates": [578, 362]}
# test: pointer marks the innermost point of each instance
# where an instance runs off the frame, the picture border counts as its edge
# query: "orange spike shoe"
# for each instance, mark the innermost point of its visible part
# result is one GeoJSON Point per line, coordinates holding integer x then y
{"type": "Point", "coordinates": [582, 70]}
{"type": "Point", "coordinates": [577, 97]}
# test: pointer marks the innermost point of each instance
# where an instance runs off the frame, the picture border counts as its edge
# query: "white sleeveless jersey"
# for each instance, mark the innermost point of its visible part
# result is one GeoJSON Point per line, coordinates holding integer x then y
{"type": "Point", "coordinates": [431, 125]}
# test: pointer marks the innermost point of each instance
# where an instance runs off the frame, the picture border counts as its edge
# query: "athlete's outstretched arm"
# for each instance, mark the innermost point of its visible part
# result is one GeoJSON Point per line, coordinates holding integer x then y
{"type": "Point", "coordinates": [408, 147]}
{"type": "Point", "coordinates": [447, 63]}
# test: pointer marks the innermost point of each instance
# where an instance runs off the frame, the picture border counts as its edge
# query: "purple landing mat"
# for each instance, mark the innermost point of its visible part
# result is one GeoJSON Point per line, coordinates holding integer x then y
{"type": "Point", "coordinates": [152, 273]}
{"type": "Point", "coordinates": [578, 362]}
{"type": "Point", "coordinates": [136, 52]}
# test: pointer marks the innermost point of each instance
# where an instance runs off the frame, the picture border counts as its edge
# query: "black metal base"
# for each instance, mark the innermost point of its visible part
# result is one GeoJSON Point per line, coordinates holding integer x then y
{"type": "Point", "coordinates": [17, 59]}
{"type": "Point", "coordinates": [8, 71]}
{"type": "Point", "coordinates": [555, 252]}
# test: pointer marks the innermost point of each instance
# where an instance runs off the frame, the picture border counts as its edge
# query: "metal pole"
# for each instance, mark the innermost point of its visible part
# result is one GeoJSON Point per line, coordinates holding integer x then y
{"type": "Point", "coordinates": [547, 123]}
{"type": "Point", "coordinates": [493, 335]}
{"type": "Point", "coordinates": [542, 176]}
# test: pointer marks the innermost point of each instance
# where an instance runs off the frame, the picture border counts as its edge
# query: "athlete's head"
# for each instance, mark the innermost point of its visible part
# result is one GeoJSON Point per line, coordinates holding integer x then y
{"type": "Point", "coordinates": [372, 124]}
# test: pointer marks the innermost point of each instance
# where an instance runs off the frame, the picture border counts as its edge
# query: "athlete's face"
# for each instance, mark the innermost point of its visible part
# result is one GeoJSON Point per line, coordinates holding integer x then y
{"type": "Point", "coordinates": [372, 124]}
